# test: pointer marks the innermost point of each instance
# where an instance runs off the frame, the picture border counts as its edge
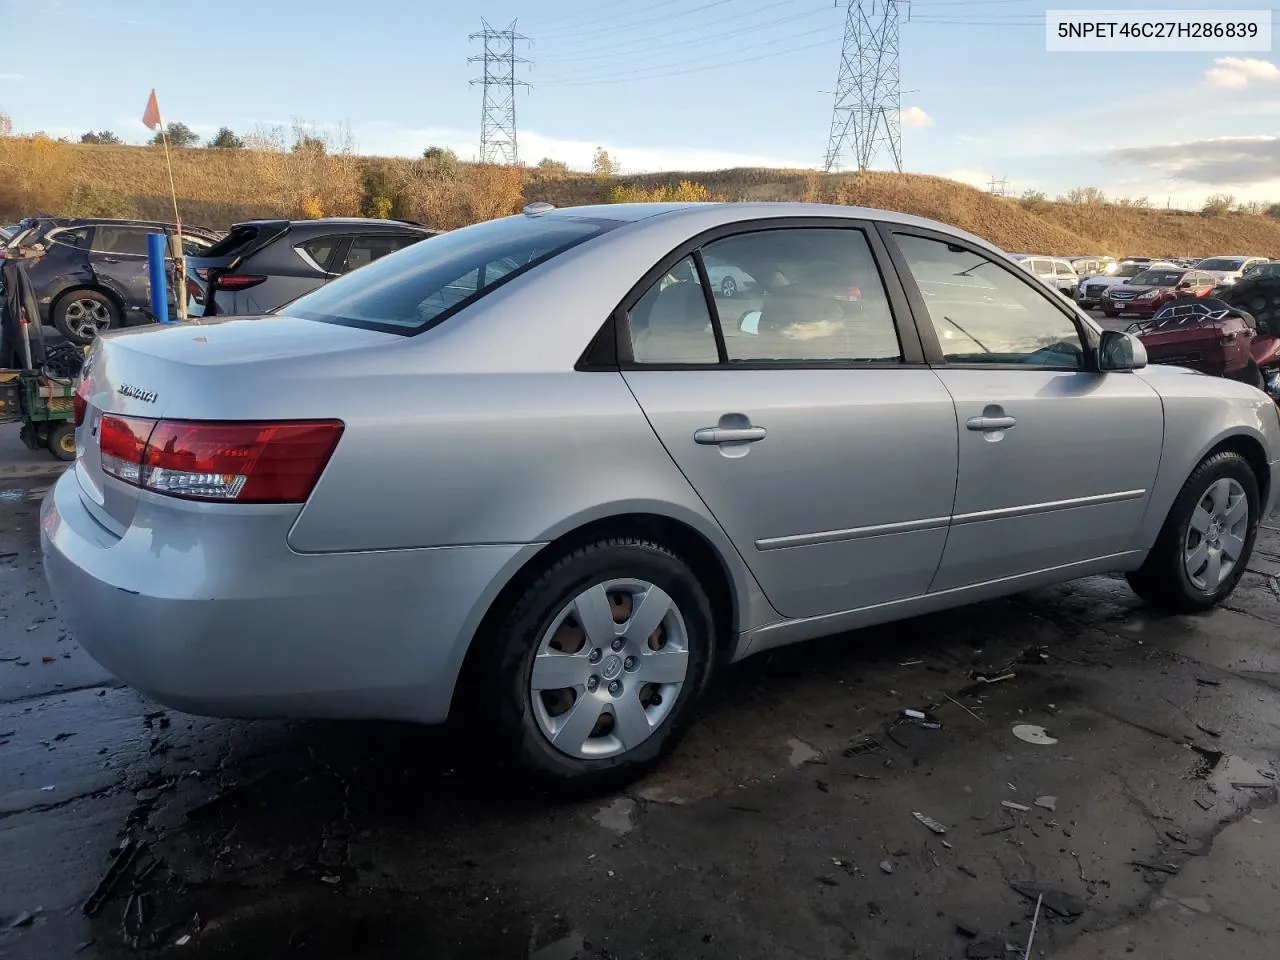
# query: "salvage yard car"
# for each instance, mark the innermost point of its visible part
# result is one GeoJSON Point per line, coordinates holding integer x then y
{"type": "Point", "coordinates": [557, 499]}
{"type": "Point", "coordinates": [1150, 290]}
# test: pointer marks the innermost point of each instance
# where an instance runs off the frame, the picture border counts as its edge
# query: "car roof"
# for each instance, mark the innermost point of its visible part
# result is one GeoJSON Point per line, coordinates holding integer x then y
{"type": "Point", "coordinates": [711, 215]}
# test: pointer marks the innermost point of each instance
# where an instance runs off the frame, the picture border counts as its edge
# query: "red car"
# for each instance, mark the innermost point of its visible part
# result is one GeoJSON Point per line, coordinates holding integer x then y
{"type": "Point", "coordinates": [1146, 293]}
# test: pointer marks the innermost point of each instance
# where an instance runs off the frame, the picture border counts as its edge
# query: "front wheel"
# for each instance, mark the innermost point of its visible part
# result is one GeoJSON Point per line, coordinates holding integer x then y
{"type": "Point", "coordinates": [600, 665]}
{"type": "Point", "coordinates": [1207, 539]}
{"type": "Point", "coordinates": [83, 314]}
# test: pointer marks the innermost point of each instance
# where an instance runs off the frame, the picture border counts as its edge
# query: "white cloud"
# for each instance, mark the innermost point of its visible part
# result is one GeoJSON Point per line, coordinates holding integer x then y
{"type": "Point", "coordinates": [915, 117]}
{"type": "Point", "coordinates": [1236, 73]}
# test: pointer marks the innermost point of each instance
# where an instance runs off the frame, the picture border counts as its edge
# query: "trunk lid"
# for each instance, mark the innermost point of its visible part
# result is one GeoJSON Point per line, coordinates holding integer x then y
{"type": "Point", "coordinates": [225, 369]}
{"type": "Point", "coordinates": [225, 256]}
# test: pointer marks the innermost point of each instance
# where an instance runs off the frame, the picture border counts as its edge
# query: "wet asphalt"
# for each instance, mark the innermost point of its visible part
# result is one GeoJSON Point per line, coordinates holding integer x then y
{"type": "Point", "coordinates": [784, 827]}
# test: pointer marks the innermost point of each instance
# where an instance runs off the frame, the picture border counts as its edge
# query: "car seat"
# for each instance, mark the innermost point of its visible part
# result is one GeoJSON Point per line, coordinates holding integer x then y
{"type": "Point", "coordinates": [677, 328]}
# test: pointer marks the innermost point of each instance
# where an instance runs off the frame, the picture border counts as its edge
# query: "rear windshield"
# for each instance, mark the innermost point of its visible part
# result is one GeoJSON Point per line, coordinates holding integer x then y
{"type": "Point", "coordinates": [235, 242]}
{"type": "Point", "coordinates": [1221, 263]}
{"type": "Point", "coordinates": [1157, 278]}
{"type": "Point", "coordinates": [410, 290]}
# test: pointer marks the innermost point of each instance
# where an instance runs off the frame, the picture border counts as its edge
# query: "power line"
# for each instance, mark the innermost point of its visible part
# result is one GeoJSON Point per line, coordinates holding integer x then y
{"type": "Point", "coordinates": [681, 73]}
{"type": "Point", "coordinates": [866, 116]}
{"type": "Point", "coordinates": [685, 63]}
{"type": "Point", "coordinates": [612, 51]}
{"type": "Point", "coordinates": [498, 117]}
{"type": "Point", "coordinates": [576, 33]}
{"type": "Point", "coordinates": [539, 24]}
{"type": "Point", "coordinates": [590, 24]}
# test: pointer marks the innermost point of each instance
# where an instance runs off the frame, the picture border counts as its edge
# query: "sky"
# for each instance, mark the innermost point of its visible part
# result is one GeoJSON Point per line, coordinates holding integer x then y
{"type": "Point", "coordinates": [662, 85]}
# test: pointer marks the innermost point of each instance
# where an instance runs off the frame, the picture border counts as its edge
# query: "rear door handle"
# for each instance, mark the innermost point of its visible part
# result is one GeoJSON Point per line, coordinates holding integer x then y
{"type": "Point", "coordinates": [990, 423]}
{"type": "Point", "coordinates": [716, 435]}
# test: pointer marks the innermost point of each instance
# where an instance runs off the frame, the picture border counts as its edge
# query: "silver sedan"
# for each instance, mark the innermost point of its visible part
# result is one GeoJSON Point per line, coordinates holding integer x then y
{"type": "Point", "coordinates": [540, 468]}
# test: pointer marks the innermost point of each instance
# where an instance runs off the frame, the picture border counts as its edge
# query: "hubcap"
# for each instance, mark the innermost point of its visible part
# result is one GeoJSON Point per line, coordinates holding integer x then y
{"type": "Point", "coordinates": [1214, 543]}
{"type": "Point", "coordinates": [86, 318]}
{"type": "Point", "coordinates": [728, 288]}
{"type": "Point", "coordinates": [609, 668]}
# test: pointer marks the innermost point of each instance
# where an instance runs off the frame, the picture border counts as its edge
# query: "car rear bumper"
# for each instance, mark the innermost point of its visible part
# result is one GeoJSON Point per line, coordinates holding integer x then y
{"type": "Point", "coordinates": [223, 619]}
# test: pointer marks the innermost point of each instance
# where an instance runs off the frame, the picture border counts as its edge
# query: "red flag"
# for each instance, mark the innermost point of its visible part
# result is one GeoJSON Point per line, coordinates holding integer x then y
{"type": "Point", "coordinates": [151, 116]}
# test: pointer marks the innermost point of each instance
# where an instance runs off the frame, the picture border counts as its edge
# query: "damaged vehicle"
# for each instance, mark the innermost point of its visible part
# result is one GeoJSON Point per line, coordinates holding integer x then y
{"type": "Point", "coordinates": [93, 275]}
{"type": "Point", "coordinates": [538, 474]}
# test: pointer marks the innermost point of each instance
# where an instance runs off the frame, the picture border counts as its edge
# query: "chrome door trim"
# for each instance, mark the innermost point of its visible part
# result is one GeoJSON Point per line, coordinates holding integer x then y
{"type": "Point", "coordinates": [853, 533]}
{"type": "Point", "coordinates": [1030, 509]}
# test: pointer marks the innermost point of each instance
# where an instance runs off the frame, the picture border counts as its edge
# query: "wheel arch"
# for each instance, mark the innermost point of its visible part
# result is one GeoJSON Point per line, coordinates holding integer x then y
{"type": "Point", "coordinates": [1254, 453]}
{"type": "Point", "coordinates": [682, 535]}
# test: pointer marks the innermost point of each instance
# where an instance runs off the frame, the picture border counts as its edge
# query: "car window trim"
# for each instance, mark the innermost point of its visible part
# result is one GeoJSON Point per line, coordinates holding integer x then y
{"type": "Point", "coordinates": [924, 325]}
{"type": "Point", "coordinates": [899, 309]}
{"type": "Point", "coordinates": [306, 257]}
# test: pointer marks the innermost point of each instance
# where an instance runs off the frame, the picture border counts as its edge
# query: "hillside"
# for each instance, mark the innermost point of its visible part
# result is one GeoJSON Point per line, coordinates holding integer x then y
{"type": "Point", "coordinates": [218, 187]}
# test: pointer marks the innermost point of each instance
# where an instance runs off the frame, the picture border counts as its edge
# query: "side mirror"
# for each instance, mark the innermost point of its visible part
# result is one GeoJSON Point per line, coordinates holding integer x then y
{"type": "Point", "coordinates": [750, 322]}
{"type": "Point", "coordinates": [1119, 352]}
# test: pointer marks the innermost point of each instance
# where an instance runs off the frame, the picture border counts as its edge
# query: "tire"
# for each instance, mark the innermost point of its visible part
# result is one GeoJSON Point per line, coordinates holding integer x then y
{"type": "Point", "coordinates": [62, 441]}
{"type": "Point", "coordinates": [80, 315]}
{"type": "Point", "coordinates": [525, 718]}
{"type": "Point", "coordinates": [1163, 579]}
{"type": "Point", "coordinates": [1260, 297]}
{"type": "Point", "coordinates": [728, 288]}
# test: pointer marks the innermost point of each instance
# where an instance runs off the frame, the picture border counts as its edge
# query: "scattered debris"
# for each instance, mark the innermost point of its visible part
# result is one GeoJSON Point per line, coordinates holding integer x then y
{"type": "Point", "coordinates": [47, 659]}
{"type": "Point", "coordinates": [1003, 828]}
{"type": "Point", "coordinates": [921, 719]}
{"type": "Point", "coordinates": [1035, 917]}
{"type": "Point", "coordinates": [822, 785]}
{"type": "Point", "coordinates": [964, 708]}
{"type": "Point", "coordinates": [966, 930]}
{"type": "Point", "coordinates": [1009, 804]}
{"type": "Point", "coordinates": [82, 947]}
{"type": "Point", "coordinates": [886, 866]}
{"type": "Point", "coordinates": [330, 878]}
{"type": "Point", "coordinates": [929, 822]}
{"type": "Point", "coordinates": [1030, 733]}
{"type": "Point", "coordinates": [24, 919]}
{"type": "Point", "coordinates": [1211, 732]}
{"type": "Point", "coordinates": [1177, 836]}
{"type": "Point", "coordinates": [1157, 867]}
{"type": "Point", "coordinates": [63, 736]}
{"type": "Point", "coordinates": [802, 753]}
{"type": "Point", "coordinates": [124, 858]}
{"type": "Point", "coordinates": [1048, 803]}
{"type": "Point", "coordinates": [1251, 785]}
{"type": "Point", "coordinates": [1206, 682]}
{"type": "Point", "coordinates": [1203, 804]}
{"type": "Point", "coordinates": [49, 788]}
{"type": "Point", "coordinates": [863, 747]}
{"type": "Point", "coordinates": [910, 663]}
{"type": "Point", "coordinates": [1056, 901]}
{"type": "Point", "coordinates": [183, 940]}
{"type": "Point", "coordinates": [967, 871]}
{"type": "Point", "coordinates": [827, 881]}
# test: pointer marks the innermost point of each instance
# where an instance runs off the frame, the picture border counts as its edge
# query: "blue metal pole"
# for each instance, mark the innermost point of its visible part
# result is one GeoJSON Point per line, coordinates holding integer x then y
{"type": "Point", "coordinates": [157, 268]}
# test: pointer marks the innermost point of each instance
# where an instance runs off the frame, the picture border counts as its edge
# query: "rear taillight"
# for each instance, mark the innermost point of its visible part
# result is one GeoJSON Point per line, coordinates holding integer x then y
{"type": "Point", "coordinates": [80, 401]}
{"type": "Point", "coordinates": [203, 460]}
{"type": "Point", "coordinates": [237, 281]}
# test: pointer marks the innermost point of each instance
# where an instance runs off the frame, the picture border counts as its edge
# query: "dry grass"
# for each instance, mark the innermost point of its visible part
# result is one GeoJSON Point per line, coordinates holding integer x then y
{"type": "Point", "coordinates": [218, 187]}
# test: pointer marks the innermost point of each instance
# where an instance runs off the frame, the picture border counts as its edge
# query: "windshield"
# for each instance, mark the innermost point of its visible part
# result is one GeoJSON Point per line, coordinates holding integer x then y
{"type": "Point", "coordinates": [1221, 263]}
{"type": "Point", "coordinates": [1129, 270]}
{"type": "Point", "coordinates": [408, 291]}
{"type": "Point", "coordinates": [1157, 278]}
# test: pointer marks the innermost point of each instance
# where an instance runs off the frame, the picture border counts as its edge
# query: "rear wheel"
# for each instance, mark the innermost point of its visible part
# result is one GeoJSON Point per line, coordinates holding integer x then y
{"type": "Point", "coordinates": [62, 441]}
{"type": "Point", "coordinates": [83, 314]}
{"type": "Point", "coordinates": [1260, 296]}
{"type": "Point", "coordinates": [1207, 539]}
{"type": "Point", "coordinates": [600, 665]}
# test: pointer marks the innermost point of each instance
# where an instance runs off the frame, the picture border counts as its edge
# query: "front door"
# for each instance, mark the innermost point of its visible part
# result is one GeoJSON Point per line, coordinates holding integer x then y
{"type": "Point", "coordinates": [1056, 460]}
{"type": "Point", "coordinates": [829, 460]}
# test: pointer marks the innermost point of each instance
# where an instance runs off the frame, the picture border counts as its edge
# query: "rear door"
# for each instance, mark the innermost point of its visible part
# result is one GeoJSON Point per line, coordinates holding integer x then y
{"type": "Point", "coordinates": [1056, 459]}
{"type": "Point", "coordinates": [118, 258]}
{"type": "Point", "coordinates": [819, 440]}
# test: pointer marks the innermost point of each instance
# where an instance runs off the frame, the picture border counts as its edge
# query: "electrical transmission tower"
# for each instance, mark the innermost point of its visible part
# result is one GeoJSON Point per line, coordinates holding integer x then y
{"type": "Point", "coordinates": [498, 121]}
{"type": "Point", "coordinates": [866, 117]}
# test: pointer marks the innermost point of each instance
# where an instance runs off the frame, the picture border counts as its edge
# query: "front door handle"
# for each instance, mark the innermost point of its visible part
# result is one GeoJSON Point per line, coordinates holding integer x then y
{"type": "Point", "coordinates": [718, 435]}
{"type": "Point", "coordinates": [990, 423]}
{"type": "Point", "coordinates": [108, 260]}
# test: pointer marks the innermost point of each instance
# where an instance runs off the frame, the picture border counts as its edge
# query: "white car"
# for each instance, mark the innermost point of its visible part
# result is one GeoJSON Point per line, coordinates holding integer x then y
{"type": "Point", "coordinates": [1227, 270]}
{"type": "Point", "coordinates": [728, 280]}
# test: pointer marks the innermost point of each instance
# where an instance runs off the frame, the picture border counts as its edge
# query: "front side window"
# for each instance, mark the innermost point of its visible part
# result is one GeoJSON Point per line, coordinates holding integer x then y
{"type": "Point", "coordinates": [816, 297]}
{"type": "Point", "coordinates": [78, 237]}
{"type": "Point", "coordinates": [982, 313]}
{"type": "Point", "coordinates": [407, 294]}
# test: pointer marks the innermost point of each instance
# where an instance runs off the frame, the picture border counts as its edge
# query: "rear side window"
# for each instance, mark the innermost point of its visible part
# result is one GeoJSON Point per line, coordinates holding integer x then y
{"type": "Point", "coordinates": [127, 240]}
{"type": "Point", "coordinates": [78, 238]}
{"type": "Point", "coordinates": [235, 242]}
{"type": "Point", "coordinates": [318, 251]}
{"type": "Point", "coordinates": [420, 286]}
{"type": "Point", "coordinates": [364, 250]}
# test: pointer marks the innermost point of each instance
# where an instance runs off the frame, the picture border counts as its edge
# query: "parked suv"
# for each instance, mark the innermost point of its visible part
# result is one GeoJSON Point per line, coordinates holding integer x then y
{"type": "Point", "coordinates": [264, 264]}
{"type": "Point", "coordinates": [1094, 265]}
{"type": "Point", "coordinates": [1227, 270]}
{"type": "Point", "coordinates": [1054, 271]}
{"type": "Point", "coordinates": [93, 276]}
